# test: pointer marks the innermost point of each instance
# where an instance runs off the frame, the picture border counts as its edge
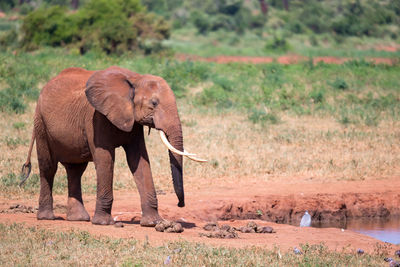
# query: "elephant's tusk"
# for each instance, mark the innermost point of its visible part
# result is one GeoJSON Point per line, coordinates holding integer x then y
{"type": "Point", "coordinates": [170, 147]}
{"type": "Point", "coordinates": [195, 158]}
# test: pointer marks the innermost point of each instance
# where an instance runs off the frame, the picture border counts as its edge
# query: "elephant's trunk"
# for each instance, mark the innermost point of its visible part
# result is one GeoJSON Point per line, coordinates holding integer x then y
{"type": "Point", "coordinates": [175, 137]}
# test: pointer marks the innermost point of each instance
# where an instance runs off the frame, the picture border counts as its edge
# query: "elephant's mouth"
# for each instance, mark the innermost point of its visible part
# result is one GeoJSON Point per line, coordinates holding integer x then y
{"type": "Point", "coordinates": [148, 121]}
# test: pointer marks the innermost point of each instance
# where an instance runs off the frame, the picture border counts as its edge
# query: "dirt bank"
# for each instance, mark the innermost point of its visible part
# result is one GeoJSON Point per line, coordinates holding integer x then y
{"type": "Point", "coordinates": [273, 201]}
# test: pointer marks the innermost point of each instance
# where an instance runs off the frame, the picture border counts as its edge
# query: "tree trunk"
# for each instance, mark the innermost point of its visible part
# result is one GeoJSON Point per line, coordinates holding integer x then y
{"type": "Point", "coordinates": [74, 4]}
{"type": "Point", "coordinates": [264, 7]}
{"type": "Point", "coordinates": [286, 4]}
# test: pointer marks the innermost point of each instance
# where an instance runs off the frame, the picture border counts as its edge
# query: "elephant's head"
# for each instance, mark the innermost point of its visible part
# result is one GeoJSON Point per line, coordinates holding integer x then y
{"type": "Point", "coordinates": [125, 98]}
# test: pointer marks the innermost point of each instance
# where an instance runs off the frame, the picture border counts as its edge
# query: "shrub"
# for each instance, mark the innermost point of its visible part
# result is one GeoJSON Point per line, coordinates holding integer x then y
{"type": "Point", "coordinates": [339, 84]}
{"type": "Point", "coordinates": [230, 15]}
{"type": "Point", "coordinates": [109, 26]}
{"type": "Point", "coordinates": [201, 22]}
{"type": "Point", "coordinates": [262, 116]}
{"type": "Point", "coordinates": [9, 39]}
{"type": "Point", "coordinates": [277, 43]}
{"type": "Point", "coordinates": [317, 95]}
{"type": "Point", "coordinates": [48, 26]}
{"type": "Point", "coordinates": [11, 102]}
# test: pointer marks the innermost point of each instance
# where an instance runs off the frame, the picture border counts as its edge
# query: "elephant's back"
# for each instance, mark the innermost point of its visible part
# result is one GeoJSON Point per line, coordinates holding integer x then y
{"type": "Point", "coordinates": [67, 82]}
{"type": "Point", "coordinates": [64, 90]}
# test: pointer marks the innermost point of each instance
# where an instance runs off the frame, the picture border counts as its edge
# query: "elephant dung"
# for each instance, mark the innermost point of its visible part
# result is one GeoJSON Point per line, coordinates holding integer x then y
{"type": "Point", "coordinates": [169, 227]}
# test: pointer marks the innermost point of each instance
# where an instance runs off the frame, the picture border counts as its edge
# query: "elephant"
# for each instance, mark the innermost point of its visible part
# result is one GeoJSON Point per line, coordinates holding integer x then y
{"type": "Point", "coordinates": [82, 116]}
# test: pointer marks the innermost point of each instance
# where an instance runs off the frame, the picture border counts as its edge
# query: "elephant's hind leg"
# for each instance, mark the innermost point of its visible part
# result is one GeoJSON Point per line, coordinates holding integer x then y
{"type": "Point", "coordinates": [47, 169]}
{"type": "Point", "coordinates": [75, 208]}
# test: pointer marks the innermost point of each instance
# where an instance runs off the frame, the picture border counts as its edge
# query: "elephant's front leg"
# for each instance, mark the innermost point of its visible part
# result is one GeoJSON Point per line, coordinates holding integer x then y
{"type": "Point", "coordinates": [139, 165]}
{"type": "Point", "coordinates": [104, 163]}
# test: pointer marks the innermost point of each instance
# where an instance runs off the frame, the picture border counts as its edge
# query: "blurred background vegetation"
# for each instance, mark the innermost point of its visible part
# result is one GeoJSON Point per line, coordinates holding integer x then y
{"type": "Point", "coordinates": [103, 30]}
{"type": "Point", "coordinates": [143, 26]}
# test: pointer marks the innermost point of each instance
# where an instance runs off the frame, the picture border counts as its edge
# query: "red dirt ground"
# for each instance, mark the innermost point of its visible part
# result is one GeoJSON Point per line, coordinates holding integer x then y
{"type": "Point", "coordinates": [278, 201]}
{"type": "Point", "coordinates": [287, 59]}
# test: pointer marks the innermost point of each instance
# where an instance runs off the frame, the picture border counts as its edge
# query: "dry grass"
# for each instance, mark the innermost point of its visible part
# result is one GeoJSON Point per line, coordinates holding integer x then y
{"type": "Point", "coordinates": [297, 148]}
{"type": "Point", "coordinates": [32, 246]}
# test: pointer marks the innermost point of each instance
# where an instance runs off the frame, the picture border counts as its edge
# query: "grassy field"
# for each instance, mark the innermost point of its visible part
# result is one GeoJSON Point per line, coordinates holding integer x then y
{"type": "Point", "coordinates": [269, 122]}
{"type": "Point", "coordinates": [265, 122]}
{"type": "Point", "coordinates": [256, 122]}
{"type": "Point", "coordinates": [31, 246]}
{"type": "Point", "coordinates": [188, 41]}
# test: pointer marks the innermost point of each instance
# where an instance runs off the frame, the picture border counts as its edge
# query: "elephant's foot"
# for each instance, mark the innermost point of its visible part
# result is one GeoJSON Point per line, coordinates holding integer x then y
{"type": "Point", "coordinates": [45, 214]}
{"type": "Point", "coordinates": [76, 211]}
{"type": "Point", "coordinates": [148, 220]}
{"type": "Point", "coordinates": [102, 218]}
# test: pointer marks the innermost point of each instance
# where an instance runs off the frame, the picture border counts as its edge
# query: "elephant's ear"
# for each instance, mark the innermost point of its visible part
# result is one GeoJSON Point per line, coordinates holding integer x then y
{"type": "Point", "coordinates": [111, 92]}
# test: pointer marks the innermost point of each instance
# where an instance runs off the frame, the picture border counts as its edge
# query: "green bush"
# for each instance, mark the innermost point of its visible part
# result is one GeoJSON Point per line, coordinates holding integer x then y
{"type": "Point", "coordinates": [277, 43]}
{"type": "Point", "coordinates": [11, 102]}
{"type": "Point", "coordinates": [48, 26]}
{"type": "Point", "coordinates": [102, 25]}
{"type": "Point", "coordinates": [317, 95]}
{"type": "Point", "coordinates": [229, 15]}
{"type": "Point", "coordinates": [262, 116]}
{"type": "Point", "coordinates": [9, 39]}
{"type": "Point", "coordinates": [339, 84]}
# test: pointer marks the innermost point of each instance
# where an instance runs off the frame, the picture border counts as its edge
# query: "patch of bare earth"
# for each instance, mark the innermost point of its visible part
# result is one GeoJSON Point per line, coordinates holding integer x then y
{"type": "Point", "coordinates": [234, 204]}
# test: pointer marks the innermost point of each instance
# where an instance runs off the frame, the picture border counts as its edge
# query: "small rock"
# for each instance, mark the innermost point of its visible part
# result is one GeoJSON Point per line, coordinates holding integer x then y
{"type": "Point", "coordinates": [14, 206]}
{"type": "Point", "coordinates": [169, 227]}
{"type": "Point", "coordinates": [227, 234]}
{"type": "Point", "coordinates": [220, 234]}
{"type": "Point", "coordinates": [265, 230]}
{"type": "Point", "coordinates": [360, 251]}
{"type": "Point", "coordinates": [226, 227]}
{"type": "Point", "coordinates": [388, 259]}
{"type": "Point", "coordinates": [176, 251]}
{"type": "Point", "coordinates": [209, 235]}
{"type": "Point", "coordinates": [167, 260]}
{"type": "Point", "coordinates": [161, 226]}
{"type": "Point", "coordinates": [119, 225]}
{"type": "Point", "coordinates": [297, 251]}
{"type": "Point", "coordinates": [245, 229]}
{"type": "Point", "coordinates": [252, 225]}
{"type": "Point", "coordinates": [177, 228]}
{"type": "Point", "coordinates": [211, 226]}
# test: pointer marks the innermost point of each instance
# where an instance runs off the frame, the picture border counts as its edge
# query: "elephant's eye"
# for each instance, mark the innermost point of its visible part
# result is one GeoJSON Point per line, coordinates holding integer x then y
{"type": "Point", "coordinates": [154, 102]}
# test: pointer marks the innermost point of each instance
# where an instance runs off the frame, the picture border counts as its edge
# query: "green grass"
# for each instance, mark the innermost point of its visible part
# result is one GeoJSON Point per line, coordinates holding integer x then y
{"type": "Point", "coordinates": [356, 95]}
{"type": "Point", "coordinates": [187, 41]}
{"type": "Point", "coordinates": [355, 92]}
{"type": "Point", "coordinates": [32, 246]}
{"type": "Point", "coordinates": [363, 92]}
{"type": "Point", "coordinates": [6, 25]}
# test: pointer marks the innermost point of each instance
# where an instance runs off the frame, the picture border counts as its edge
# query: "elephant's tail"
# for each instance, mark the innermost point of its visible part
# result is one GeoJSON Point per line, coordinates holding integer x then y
{"type": "Point", "coordinates": [26, 168]}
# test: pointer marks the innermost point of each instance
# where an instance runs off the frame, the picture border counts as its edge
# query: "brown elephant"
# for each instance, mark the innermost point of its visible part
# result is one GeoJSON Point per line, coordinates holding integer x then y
{"type": "Point", "coordinates": [83, 116]}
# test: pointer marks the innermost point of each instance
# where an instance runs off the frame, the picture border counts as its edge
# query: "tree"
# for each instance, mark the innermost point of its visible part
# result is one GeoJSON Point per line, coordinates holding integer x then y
{"type": "Point", "coordinates": [74, 4]}
{"type": "Point", "coordinates": [286, 4]}
{"type": "Point", "coordinates": [264, 7]}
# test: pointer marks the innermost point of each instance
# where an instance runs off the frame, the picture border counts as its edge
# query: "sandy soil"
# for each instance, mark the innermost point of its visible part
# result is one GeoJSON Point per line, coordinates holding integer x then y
{"type": "Point", "coordinates": [234, 203]}
{"type": "Point", "coordinates": [287, 59]}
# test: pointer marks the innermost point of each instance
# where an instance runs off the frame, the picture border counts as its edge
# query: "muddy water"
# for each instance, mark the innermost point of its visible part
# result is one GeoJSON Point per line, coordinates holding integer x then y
{"type": "Point", "coordinates": [387, 230]}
